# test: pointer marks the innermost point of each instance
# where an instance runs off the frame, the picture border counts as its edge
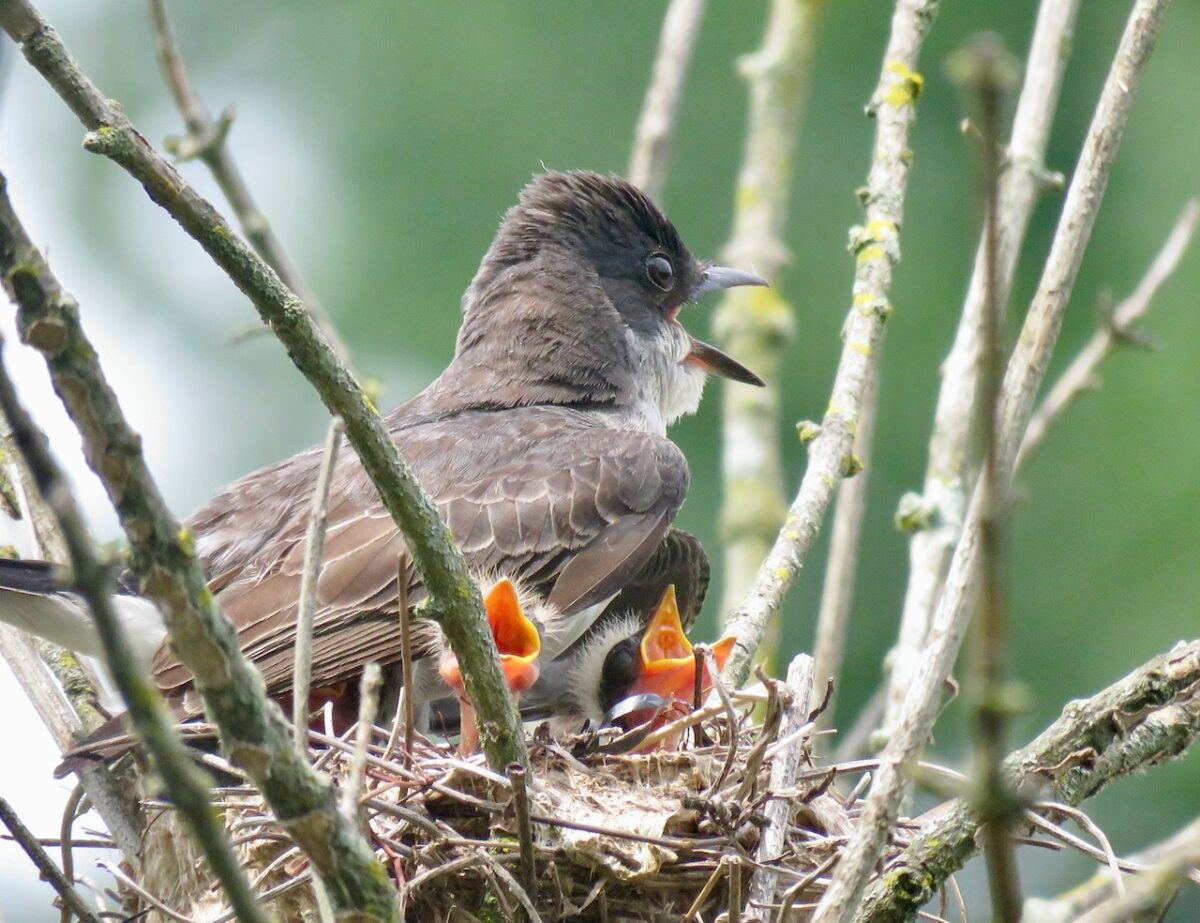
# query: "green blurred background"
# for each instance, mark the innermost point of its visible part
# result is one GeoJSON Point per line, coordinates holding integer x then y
{"type": "Point", "coordinates": [385, 140]}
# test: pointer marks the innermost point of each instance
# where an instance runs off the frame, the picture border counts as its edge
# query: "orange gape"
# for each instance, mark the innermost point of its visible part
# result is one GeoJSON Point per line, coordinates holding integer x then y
{"type": "Point", "coordinates": [667, 664]}
{"type": "Point", "coordinates": [519, 645]}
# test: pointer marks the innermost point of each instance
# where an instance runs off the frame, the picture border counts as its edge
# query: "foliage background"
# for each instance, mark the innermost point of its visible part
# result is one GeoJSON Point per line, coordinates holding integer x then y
{"type": "Point", "coordinates": [384, 142]}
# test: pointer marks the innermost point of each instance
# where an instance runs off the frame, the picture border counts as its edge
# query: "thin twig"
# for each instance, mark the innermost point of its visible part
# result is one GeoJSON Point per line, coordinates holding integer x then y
{"type": "Point", "coordinates": [877, 251]}
{"type": "Point", "coordinates": [1110, 857]}
{"type": "Point", "coordinates": [406, 661]}
{"type": "Point", "coordinates": [1103, 887]}
{"type": "Point", "coordinates": [45, 865]}
{"type": "Point", "coordinates": [1024, 375]}
{"type": "Point", "coordinates": [254, 731]}
{"type": "Point", "coordinates": [1151, 893]}
{"type": "Point", "coordinates": [368, 707]}
{"type": "Point", "coordinates": [518, 777]}
{"type": "Point", "coordinates": [1074, 758]}
{"type": "Point", "coordinates": [454, 598]}
{"type": "Point", "coordinates": [983, 69]}
{"type": "Point", "coordinates": [837, 589]}
{"type": "Point", "coordinates": [936, 516]}
{"type": "Point", "coordinates": [206, 141]}
{"type": "Point", "coordinates": [755, 326]}
{"type": "Point", "coordinates": [650, 159]}
{"type": "Point", "coordinates": [314, 552]}
{"type": "Point", "coordinates": [66, 839]}
{"type": "Point", "coordinates": [1117, 328]}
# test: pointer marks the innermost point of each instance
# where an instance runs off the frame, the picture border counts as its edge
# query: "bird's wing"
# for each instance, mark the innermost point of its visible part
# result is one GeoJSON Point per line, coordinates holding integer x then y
{"type": "Point", "coordinates": [678, 560]}
{"type": "Point", "coordinates": [571, 508]}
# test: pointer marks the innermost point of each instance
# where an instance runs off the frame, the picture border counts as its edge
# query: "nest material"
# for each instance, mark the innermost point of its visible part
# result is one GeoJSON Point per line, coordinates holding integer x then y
{"type": "Point", "coordinates": [642, 837]}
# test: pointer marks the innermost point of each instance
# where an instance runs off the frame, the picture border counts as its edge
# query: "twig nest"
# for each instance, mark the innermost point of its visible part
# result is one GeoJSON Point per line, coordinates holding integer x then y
{"type": "Point", "coordinates": [641, 837]}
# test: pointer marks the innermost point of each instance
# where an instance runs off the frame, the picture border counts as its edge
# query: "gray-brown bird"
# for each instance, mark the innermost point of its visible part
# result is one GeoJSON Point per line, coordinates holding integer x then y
{"type": "Point", "coordinates": [543, 443]}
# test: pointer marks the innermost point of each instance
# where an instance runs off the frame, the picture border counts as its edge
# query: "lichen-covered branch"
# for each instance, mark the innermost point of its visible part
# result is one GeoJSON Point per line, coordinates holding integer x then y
{"type": "Point", "coordinates": [253, 730]}
{"type": "Point", "coordinates": [93, 581]}
{"type": "Point", "coordinates": [67, 708]}
{"type": "Point", "coordinates": [454, 597]}
{"type": "Point", "coordinates": [656, 125]}
{"type": "Point", "coordinates": [935, 518]}
{"type": "Point", "coordinates": [206, 142]}
{"type": "Point", "coordinates": [1118, 327]}
{"type": "Point", "coordinates": [876, 247]}
{"type": "Point", "coordinates": [1025, 372]}
{"type": "Point", "coordinates": [756, 325]}
{"type": "Point", "coordinates": [1146, 718]}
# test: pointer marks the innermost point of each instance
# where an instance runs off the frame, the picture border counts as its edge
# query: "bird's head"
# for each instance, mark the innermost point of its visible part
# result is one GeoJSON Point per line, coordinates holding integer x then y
{"type": "Point", "coordinates": [579, 296]}
{"type": "Point", "coordinates": [631, 674]}
{"type": "Point", "coordinates": [516, 637]}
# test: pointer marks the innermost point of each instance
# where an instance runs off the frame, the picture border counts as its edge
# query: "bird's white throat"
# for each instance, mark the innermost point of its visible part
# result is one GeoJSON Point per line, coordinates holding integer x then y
{"type": "Point", "coordinates": [667, 387]}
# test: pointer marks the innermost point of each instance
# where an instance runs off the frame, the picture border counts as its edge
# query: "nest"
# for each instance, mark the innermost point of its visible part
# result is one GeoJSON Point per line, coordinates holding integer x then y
{"type": "Point", "coordinates": [655, 836]}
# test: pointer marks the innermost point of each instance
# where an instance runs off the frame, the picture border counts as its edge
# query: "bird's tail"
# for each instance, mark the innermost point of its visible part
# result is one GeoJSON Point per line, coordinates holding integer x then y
{"type": "Point", "coordinates": [35, 597]}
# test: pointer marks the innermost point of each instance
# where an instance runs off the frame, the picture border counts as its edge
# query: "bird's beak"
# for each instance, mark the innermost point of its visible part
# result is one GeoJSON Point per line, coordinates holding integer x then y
{"type": "Point", "coordinates": [706, 357]}
{"type": "Point", "coordinates": [714, 362]}
{"type": "Point", "coordinates": [517, 638]}
{"type": "Point", "coordinates": [716, 278]}
{"type": "Point", "coordinates": [667, 665]}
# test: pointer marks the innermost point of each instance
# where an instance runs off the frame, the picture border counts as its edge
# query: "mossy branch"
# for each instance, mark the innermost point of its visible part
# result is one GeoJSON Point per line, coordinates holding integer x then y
{"type": "Point", "coordinates": [253, 730]}
{"type": "Point", "coordinates": [1146, 718]}
{"type": "Point", "coordinates": [27, 279]}
{"type": "Point", "coordinates": [454, 597]}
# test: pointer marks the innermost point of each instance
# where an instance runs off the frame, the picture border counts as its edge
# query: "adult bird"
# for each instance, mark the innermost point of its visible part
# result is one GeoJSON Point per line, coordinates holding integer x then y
{"type": "Point", "coordinates": [543, 443]}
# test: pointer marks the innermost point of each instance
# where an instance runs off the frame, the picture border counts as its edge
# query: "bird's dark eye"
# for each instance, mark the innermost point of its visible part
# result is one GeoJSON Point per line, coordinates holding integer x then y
{"type": "Point", "coordinates": [660, 272]}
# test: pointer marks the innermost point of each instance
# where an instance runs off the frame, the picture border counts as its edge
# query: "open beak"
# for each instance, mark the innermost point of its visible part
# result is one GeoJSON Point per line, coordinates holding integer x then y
{"type": "Point", "coordinates": [516, 637]}
{"type": "Point", "coordinates": [667, 665]}
{"type": "Point", "coordinates": [714, 362]}
{"type": "Point", "coordinates": [705, 356]}
{"type": "Point", "coordinates": [517, 642]}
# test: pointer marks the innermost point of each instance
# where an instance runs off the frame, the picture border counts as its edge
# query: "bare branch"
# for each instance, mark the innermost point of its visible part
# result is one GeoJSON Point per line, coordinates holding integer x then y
{"type": "Point", "coordinates": [1025, 372]}
{"type": "Point", "coordinates": [655, 132]}
{"type": "Point", "coordinates": [1081, 375]}
{"type": "Point", "coordinates": [936, 517]}
{"type": "Point", "coordinates": [45, 865]}
{"type": "Point", "coordinates": [984, 69]}
{"type": "Point", "coordinates": [253, 729]}
{"type": "Point", "coordinates": [205, 141]}
{"type": "Point", "coordinates": [454, 598]}
{"type": "Point", "coordinates": [314, 552]}
{"type": "Point", "coordinates": [765, 880]}
{"type": "Point", "coordinates": [755, 325]}
{"type": "Point", "coordinates": [877, 251]}
{"type": "Point", "coordinates": [1077, 756]}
